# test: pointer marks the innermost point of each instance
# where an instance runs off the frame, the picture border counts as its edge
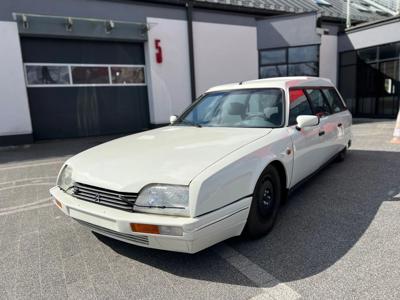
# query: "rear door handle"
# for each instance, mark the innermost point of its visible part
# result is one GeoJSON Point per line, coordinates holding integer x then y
{"type": "Point", "coordinates": [339, 125]}
{"type": "Point", "coordinates": [321, 133]}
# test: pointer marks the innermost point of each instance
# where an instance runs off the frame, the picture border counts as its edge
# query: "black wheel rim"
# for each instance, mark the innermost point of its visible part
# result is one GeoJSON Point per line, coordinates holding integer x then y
{"type": "Point", "coordinates": [266, 198]}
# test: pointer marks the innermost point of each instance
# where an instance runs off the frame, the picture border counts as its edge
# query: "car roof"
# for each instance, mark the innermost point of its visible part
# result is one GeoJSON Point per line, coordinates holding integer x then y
{"type": "Point", "coordinates": [276, 82]}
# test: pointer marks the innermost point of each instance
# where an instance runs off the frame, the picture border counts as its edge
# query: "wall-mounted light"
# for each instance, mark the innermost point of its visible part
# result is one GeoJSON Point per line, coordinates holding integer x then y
{"type": "Point", "coordinates": [25, 23]}
{"type": "Point", "coordinates": [69, 24]}
{"type": "Point", "coordinates": [109, 26]}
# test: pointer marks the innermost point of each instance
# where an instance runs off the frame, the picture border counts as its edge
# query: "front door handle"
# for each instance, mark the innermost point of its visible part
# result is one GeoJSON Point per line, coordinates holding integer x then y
{"type": "Point", "coordinates": [321, 133]}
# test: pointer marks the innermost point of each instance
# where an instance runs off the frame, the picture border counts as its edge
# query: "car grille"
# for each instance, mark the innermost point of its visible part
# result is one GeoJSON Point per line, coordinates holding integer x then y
{"type": "Point", "coordinates": [123, 201]}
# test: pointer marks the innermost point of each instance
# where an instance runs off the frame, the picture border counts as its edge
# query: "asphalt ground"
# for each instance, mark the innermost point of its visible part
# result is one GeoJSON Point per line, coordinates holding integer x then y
{"type": "Point", "coordinates": [336, 238]}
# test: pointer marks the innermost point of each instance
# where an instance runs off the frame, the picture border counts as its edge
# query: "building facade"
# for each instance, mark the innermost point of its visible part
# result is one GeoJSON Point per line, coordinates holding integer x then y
{"type": "Point", "coordinates": [369, 68]}
{"type": "Point", "coordinates": [73, 68]}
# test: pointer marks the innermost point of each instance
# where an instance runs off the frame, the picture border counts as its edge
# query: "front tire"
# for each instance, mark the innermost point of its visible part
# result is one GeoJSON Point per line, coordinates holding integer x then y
{"type": "Point", "coordinates": [266, 201]}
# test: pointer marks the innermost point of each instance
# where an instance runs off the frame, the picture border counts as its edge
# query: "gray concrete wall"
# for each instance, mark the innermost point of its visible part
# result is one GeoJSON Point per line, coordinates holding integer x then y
{"type": "Point", "coordinates": [224, 53]}
{"type": "Point", "coordinates": [287, 31]}
{"type": "Point", "coordinates": [220, 17]}
{"type": "Point", "coordinates": [130, 11]}
{"type": "Point", "coordinates": [328, 57]}
{"type": "Point", "coordinates": [102, 9]}
{"type": "Point", "coordinates": [370, 36]}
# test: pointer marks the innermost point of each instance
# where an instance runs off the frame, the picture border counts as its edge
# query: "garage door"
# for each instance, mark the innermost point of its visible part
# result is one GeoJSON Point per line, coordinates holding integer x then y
{"type": "Point", "coordinates": [82, 88]}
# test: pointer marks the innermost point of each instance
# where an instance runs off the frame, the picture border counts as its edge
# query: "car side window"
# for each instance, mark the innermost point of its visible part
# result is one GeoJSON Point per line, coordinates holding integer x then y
{"type": "Point", "coordinates": [319, 104]}
{"type": "Point", "coordinates": [299, 105]}
{"type": "Point", "coordinates": [334, 100]}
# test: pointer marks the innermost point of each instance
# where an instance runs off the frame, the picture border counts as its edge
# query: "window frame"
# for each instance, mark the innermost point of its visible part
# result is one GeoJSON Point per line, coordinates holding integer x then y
{"type": "Point", "coordinates": [307, 99]}
{"type": "Point", "coordinates": [274, 49]}
{"type": "Point", "coordinates": [74, 79]}
{"type": "Point", "coordinates": [357, 99]}
{"type": "Point", "coordinates": [304, 88]}
{"type": "Point", "coordinates": [303, 61]}
{"type": "Point", "coordinates": [71, 84]}
{"type": "Point", "coordinates": [48, 84]}
{"type": "Point", "coordinates": [110, 73]}
{"type": "Point", "coordinates": [323, 99]}
{"type": "Point", "coordinates": [338, 96]}
{"type": "Point", "coordinates": [286, 63]}
{"type": "Point", "coordinates": [200, 98]}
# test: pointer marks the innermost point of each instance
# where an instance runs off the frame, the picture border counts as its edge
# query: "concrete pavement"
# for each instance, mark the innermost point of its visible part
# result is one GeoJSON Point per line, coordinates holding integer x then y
{"type": "Point", "coordinates": [336, 238]}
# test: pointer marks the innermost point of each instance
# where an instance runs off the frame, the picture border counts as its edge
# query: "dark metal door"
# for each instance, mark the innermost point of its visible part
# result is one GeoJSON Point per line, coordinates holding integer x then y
{"type": "Point", "coordinates": [85, 88]}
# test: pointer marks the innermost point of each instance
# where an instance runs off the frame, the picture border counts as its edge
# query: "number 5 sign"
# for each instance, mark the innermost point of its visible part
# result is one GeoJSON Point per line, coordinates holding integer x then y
{"type": "Point", "coordinates": [159, 54]}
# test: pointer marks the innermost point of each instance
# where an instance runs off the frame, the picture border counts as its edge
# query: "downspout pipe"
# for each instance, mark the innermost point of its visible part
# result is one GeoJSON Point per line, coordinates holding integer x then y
{"type": "Point", "coordinates": [348, 14]}
{"type": "Point", "coordinates": [189, 12]}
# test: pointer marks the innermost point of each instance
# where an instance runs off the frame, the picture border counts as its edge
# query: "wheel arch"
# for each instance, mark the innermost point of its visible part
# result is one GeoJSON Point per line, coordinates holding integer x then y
{"type": "Point", "coordinates": [282, 171]}
{"type": "Point", "coordinates": [255, 228]}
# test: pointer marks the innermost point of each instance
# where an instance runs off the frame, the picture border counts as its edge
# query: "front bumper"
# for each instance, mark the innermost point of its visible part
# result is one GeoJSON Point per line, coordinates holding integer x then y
{"type": "Point", "coordinates": [198, 233]}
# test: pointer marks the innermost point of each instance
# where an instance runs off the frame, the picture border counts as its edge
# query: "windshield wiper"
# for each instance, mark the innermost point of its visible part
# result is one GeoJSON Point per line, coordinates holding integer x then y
{"type": "Point", "coordinates": [190, 123]}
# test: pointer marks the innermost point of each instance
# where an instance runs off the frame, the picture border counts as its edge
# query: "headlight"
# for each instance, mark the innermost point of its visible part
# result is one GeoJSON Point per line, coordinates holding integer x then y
{"type": "Point", "coordinates": [64, 180]}
{"type": "Point", "coordinates": [164, 199]}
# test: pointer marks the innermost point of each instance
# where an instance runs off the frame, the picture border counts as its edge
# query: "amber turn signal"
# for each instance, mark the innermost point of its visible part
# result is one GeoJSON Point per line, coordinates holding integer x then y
{"type": "Point", "coordinates": [58, 203]}
{"type": "Point", "coordinates": [145, 228]}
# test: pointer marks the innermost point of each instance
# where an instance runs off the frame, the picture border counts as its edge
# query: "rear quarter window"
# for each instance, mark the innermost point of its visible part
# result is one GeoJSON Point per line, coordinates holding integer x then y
{"type": "Point", "coordinates": [320, 106]}
{"type": "Point", "coordinates": [334, 100]}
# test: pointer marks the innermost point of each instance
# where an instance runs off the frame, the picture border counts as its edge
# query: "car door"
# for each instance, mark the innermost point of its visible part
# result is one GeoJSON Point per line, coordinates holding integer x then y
{"type": "Point", "coordinates": [340, 116]}
{"type": "Point", "coordinates": [306, 142]}
{"type": "Point", "coordinates": [328, 124]}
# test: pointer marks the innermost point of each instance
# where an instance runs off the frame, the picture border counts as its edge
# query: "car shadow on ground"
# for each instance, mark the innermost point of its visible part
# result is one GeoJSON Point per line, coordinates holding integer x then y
{"type": "Point", "coordinates": [319, 224]}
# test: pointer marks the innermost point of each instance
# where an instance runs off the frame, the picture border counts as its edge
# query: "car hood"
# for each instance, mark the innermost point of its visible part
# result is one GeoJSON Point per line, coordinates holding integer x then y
{"type": "Point", "coordinates": [172, 155]}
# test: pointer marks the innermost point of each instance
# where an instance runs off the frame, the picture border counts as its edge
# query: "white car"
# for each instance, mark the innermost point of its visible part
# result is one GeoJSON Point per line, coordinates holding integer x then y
{"type": "Point", "coordinates": [219, 170]}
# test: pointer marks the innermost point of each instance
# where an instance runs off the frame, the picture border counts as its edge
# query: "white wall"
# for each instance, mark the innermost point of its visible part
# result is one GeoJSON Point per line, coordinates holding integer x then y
{"type": "Point", "coordinates": [328, 57]}
{"type": "Point", "coordinates": [168, 82]}
{"type": "Point", "coordinates": [14, 109]}
{"type": "Point", "coordinates": [224, 54]}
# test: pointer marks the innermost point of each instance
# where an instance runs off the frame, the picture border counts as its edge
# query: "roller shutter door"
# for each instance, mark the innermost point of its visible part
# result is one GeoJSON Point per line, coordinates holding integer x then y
{"type": "Point", "coordinates": [82, 88]}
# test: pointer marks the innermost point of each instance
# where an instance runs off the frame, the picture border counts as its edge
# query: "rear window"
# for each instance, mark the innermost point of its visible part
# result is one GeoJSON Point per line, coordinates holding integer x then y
{"type": "Point", "coordinates": [334, 100]}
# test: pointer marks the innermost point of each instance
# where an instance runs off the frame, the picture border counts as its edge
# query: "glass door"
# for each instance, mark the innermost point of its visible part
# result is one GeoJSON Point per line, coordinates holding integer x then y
{"type": "Point", "coordinates": [389, 90]}
{"type": "Point", "coordinates": [367, 78]}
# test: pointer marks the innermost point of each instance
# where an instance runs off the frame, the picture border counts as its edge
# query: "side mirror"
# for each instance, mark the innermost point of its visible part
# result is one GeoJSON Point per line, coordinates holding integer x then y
{"type": "Point", "coordinates": [306, 121]}
{"type": "Point", "coordinates": [172, 119]}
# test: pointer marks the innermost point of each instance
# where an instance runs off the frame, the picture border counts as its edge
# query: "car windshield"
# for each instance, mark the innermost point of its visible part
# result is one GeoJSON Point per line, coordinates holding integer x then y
{"type": "Point", "coordinates": [236, 108]}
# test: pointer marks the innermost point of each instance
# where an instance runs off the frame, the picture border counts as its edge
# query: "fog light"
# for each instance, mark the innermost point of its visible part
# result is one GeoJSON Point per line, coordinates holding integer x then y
{"type": "Point", "coordinates": [145, 228]}
{"type": "Point", "coordinates": [171, 230]}
{"type": "Point", "coordinates": [58, 203]}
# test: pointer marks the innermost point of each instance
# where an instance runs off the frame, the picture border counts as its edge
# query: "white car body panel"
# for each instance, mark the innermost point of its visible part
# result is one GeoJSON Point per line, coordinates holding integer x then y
{"type": "Point", "coordinates": [220, 165]}
{"type": "Point", "coordinates": [198, 233]}
{"type": "Point", "coordinates": [173, 155]}
{"type": "Point", "coordinates": [235, 176]}
{"type": "Point", "coordinates": [307, 154]}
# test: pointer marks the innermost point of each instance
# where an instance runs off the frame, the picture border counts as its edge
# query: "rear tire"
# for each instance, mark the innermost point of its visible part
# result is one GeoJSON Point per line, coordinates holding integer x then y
{"type": "Point", "coordinates": [267, 198]}
{"type": "Point", "coordinates": [341, 155]}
